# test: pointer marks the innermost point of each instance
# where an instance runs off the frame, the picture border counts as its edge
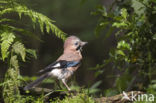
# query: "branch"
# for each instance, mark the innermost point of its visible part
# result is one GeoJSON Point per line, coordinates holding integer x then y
{"type": "Point", "coordinates": [117, 98]}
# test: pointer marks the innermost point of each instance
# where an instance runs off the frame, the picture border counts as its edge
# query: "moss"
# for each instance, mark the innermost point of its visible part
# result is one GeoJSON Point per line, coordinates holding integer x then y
{"type": "Point", "coordinates": [80, 98]}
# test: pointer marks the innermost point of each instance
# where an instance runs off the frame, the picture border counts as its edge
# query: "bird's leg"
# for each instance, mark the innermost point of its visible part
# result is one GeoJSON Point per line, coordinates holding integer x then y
{"type": "Point", "coordinates": [58, 84]}
{"type": "Point", "coordinates": [64, 82]}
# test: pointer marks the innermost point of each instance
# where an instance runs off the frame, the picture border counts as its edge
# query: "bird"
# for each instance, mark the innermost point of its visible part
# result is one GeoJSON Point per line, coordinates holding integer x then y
{"type": "Point", "coordinates": [64, 67]}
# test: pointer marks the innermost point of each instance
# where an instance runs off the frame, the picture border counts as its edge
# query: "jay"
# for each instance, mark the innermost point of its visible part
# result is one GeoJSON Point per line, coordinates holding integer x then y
{"type": "Point", "coordinates": [65, 65]}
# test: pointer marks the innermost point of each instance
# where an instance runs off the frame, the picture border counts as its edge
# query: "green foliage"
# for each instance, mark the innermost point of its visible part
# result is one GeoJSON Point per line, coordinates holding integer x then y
{"type": "Point", "coordinates": [7, 39]}
{"type": "Point", "coordinates": [19, 48]}
{"type": "Point", "coordinates": [139, 7]}
{"type": "Point", "coordinates": [35, 16]}
{"type": "Point", "coordinates": [80, 98]}
{"type": "Point", "coordinates": [134, 56]}
{"type": "Point", "coordinates": [14, 62]}
{"type": "Point", "coordinates": [12, 82]}
{"type": "Point", "coordinates": [152, 88]}
{"type": "Point", "coordinates": [13, 49]}
{"type": "Point", "coordinates": [32, 52]}
{"type": "Point", "coordinates": [110, 92]}
{"type": "Point", "coordinates": [94, 88]}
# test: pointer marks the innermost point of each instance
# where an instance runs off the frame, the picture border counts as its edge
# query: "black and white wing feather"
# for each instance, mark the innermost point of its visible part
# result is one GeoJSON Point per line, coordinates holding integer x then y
{"type": "Point", "coordinates": [60, 64]}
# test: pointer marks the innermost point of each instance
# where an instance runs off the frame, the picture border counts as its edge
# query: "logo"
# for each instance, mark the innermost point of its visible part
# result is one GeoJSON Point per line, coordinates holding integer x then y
{"type": "Point", "coordinates": [137, 97]}
{"type": "Point", "coordinates": [125, 96]}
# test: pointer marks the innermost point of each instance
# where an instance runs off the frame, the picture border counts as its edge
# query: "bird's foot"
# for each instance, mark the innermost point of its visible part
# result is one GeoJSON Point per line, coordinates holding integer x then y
{"type": "Point", "coordinates": [69, 89]}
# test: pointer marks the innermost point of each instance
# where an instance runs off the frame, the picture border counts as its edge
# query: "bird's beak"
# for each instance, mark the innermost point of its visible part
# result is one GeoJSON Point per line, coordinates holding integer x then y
{"type": "Point", "coordinates": [83, 43]}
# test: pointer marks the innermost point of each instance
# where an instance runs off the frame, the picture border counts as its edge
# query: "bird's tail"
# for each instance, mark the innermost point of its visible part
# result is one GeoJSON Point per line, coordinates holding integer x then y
{"type": "Point", "coordinates": [36, 82]}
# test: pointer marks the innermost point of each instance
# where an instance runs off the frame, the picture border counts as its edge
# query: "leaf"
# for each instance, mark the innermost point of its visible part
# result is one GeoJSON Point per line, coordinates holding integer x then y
{"type": "Point", "coordinates": [95, 85]}
{"type": "Point", "coordinates": [4, 11]}
{"type": "Point", "coordinates": [123, 45]}
{"type": "Point", "coordinates": [120, 52]}
{"type": "Point", "coordinates": [94, 88]}
{"type": "Point", "coordinates": [7, 39]}
{"type": "Point", "coordinates": [22, 31]}
{"type": "Point", "coordinates": [119, 24]}
{"type": "Point", "coordinates": [100, 10]}
{"type": "Point", "coordinates": [32, 52]}
{"type": "Point", "coordinates": [5, 20]}
{"type": "Point", "coordinates": [99, 72]}
{"type": "Point", "coordinates": [109, 32]}
{"type": "Point", "coordinates": [14, 62]}
{"type": "Point", "coordinates": [124, 13]}
{"type": "Point", "coordinates": [19, 48]}
{"type": "Point", "coordinates": [139, 8]}
{"type": "Point", "coordinates": [100, 27]}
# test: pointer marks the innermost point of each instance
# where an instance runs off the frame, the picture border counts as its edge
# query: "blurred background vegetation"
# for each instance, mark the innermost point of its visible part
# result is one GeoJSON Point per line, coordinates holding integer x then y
{"type": "Point", "coordinates": [120, 55]}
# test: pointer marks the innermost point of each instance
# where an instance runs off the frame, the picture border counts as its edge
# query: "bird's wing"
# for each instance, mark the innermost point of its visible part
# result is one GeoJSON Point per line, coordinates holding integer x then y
{"type": "Point", "coordinates": [60, 64]}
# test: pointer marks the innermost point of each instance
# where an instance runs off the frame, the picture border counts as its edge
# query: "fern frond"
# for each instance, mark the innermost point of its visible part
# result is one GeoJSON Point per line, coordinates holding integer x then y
{"type": "Point", "coordinates": [5, 11]}
{"type": "Point", "coordinates": [14, 62]}
{"type": "Point", "coordinates": [12, 82]}
{"type": "Point", "coordinates": [22, 31]}
{"type": "Point", "coordinates": [36, 17]}
{"type": "Point", "coordinates": [6, 40]}
{"type": "Point", "coordinates": [32, 52]}
{"type": "Point", "coordinates": [19, 48]}
{"type": "Point", "coordinates": [5, 20]}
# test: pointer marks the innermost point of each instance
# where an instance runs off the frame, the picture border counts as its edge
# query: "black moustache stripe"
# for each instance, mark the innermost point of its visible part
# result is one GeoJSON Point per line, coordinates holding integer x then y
{"type": "Point", "coordinates": [78, 47]}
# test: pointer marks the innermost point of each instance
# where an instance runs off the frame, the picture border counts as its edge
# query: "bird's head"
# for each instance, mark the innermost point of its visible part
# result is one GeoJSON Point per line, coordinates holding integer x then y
{"type": "Point", "coordinates": [73, 43]}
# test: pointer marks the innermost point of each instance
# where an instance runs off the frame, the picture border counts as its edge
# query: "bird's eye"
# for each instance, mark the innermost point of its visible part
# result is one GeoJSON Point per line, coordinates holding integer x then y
{"type": "Point", "coordinates": [76, 43]}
